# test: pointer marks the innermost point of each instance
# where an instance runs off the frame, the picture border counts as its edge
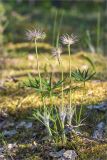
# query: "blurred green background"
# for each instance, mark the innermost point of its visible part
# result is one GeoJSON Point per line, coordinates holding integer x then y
{"type": "Point", "coordinates": [85, 18]}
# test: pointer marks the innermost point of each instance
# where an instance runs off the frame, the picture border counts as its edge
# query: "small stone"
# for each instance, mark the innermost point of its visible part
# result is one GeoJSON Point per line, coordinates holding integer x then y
{"type": "Point", "coordinates": [1, 154]}
{"type": "Point", "coordinates": [99, 131]}
{"type": "Point", "coordinates": [11, 146]}
{"type": "Point", "coordinates": [2, 124]}
{"type": "Point", "coordinates": [28, 125]}
{"type": "Point", "coordinates": [57, 154]}
{"type": "Point", "coordinates": [70, 155]}
{"type": "Point", "coordinates": [3, 113]}
{"type": "Point", "coordinates": [21, 124]}
{"type": "Point", "coordinates": [1, 150]}
{"type": "Point", "coordinates": [24, 124]}
{"type": "Point", "coordinates": [105, 134]}
{"type": "Point", "coordinates": [69, 129]}
{"type": "Point", "coordinates": [2, 157]}
{"type": "Point", "coordinates": [9, 133]}
{"type": "Point", "coordinates": [100, 107]}
{"type": "Point", "coordinates": [8, 124]}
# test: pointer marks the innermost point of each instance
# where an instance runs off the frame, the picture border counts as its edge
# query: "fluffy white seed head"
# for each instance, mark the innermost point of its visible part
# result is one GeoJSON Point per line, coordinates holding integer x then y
{"type": "Point", "coordinates": [35, 34]}
{"type": "Point", "coordinates": [68, 39]}
{"type": "Point", "coordinates": [56, 52]}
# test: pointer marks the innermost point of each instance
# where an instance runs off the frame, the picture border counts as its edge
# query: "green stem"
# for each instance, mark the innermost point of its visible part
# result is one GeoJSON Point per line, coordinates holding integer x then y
{"type": "Point", "coordinates": [69, 51]}
{"type": "Point", "coordinates": [84, 84]}
{"type": "Point", "coordinates": [42, 98]}
{"type": "Point", "coordinates": [38, 63]}
{"type": "Point", "coordinates": [49, 131]}
{"type": "Point", "coordinates": [81, 108]}
{"type": "Point", "coordinates": [62, 77]}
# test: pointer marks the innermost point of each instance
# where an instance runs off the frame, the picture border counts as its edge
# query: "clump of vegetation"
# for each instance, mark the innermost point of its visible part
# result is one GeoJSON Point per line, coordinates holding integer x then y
{"type": "Point", "coordinates": [56, 119]}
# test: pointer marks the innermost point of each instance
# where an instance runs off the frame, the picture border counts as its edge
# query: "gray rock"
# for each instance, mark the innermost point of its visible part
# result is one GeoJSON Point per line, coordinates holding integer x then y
{"type": "Point", "coordinates": [24, 124]}
{"type": "Point", "coordinates": [2, 157]}
{"type": "Point", "coordinates": [28, 125]}
{"type": "Point", "coordinates": [1, 153]}
{"type": "Point", "coordinates": [57, 154]}
{"type": "Point", "coordinates": [9, 133]}
{"type": "Point", "coordinates": [99, 131]}
{"type": "Point", "coordinates": [21, 124]}
{"type": "Point", "coordinates": [3, 113]}
{"type": "Point", "coordinates": [69, 128]}
{"type": "Point", "coordinates": [2, 124]}
{"type": "Point", "coordinates": [11, 146]}
{"type": "Point", "coordinates": [1, 150]}
{"type": "Point", "coordinates": [100, 107]}
{"type": "Point", "coordinates": [8, 124]}
{"type": "Point", "coordinates": [64, 155]}
{"type": "Point", "coordinates": [70, 155]}
{"type": "Point", "coordinates": [105, 134]}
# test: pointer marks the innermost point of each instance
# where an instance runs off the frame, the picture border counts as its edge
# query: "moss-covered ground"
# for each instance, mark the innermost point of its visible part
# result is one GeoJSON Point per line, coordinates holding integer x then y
{"type": "Point", "coordinates": [18, 102]}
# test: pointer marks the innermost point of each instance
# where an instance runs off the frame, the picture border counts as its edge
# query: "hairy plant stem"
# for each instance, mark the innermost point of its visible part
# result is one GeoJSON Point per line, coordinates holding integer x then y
{"type": "Point", "coordinates": [81, 108]}
{"type": "Point", "coordinates": [62, 94]}
{"type": "Point", "coordinates": [42, 97]}
{"type": "Point", "coordinates": [49, 131]}
{"type": "Point", "coordinates": [36, 50]}
{"type": "Point", "coordinates": [62, 77]}
{"type": "Point", "coordinates": [69, 51]}
{"type": "Point", "coordinates": [37, 58]}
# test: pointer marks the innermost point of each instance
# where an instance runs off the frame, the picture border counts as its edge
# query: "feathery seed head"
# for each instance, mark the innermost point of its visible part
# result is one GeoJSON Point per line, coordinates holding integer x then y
{"type": "Point", "coordinates": [56, 52]}
{"type": "Point", "coordinates": [35, 34]}
{"type": "Point", "coordinates": [68, 39]}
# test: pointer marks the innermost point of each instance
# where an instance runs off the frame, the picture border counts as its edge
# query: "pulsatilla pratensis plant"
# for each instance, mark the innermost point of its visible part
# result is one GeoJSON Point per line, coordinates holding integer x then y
{"type": "Point", "coordinates": [55, 118]}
